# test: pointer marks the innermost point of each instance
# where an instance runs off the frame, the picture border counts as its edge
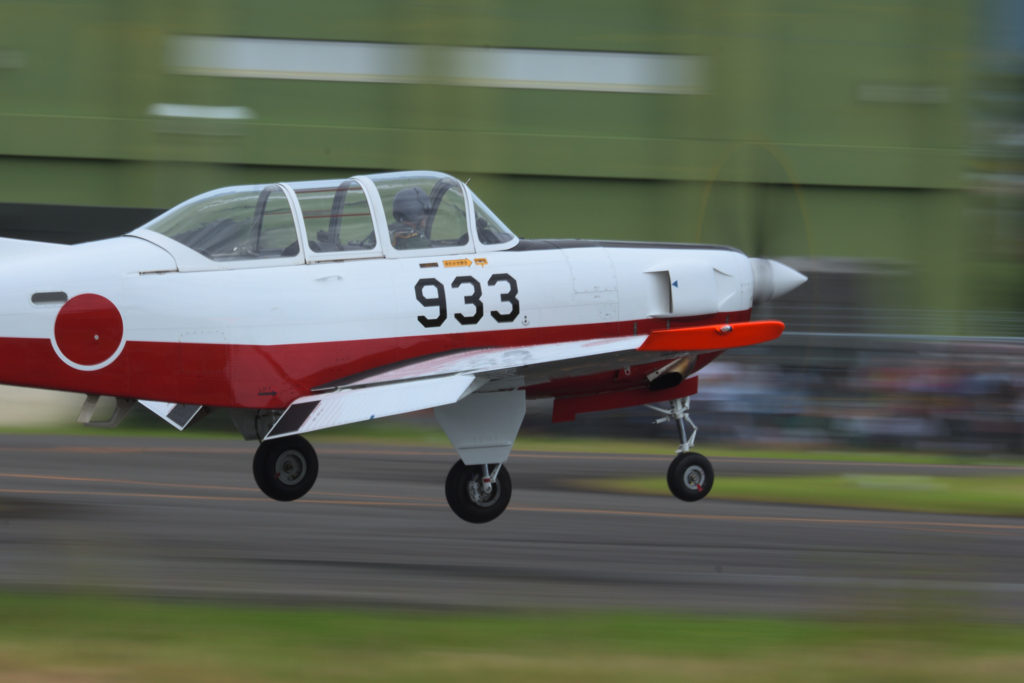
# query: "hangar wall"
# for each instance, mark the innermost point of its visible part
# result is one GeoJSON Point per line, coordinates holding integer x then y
{"type": "Point", "coordinates": [808, 128]}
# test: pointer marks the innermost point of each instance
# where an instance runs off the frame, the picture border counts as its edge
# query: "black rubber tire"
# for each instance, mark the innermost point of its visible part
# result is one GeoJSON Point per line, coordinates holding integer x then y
{"type": "Point", "coordinates": [457, 491]}
{"type": "Point", "coordinates": [264, 468]}
{"type": "Point", "coordinates": [677, 475]}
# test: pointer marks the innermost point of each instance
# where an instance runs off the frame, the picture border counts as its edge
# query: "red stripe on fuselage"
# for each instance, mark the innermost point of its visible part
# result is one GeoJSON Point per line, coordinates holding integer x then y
{"type": "Point", "coordinates": [247, 376]}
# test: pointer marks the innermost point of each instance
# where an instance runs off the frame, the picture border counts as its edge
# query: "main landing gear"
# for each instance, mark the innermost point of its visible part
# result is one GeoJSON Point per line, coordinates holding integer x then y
{"type": "Point", "coordinates": [690, 476]}
{"type": "Point", "coordinates": [285, 469]}
{"type": "Point", "coordinates": [478, 493]}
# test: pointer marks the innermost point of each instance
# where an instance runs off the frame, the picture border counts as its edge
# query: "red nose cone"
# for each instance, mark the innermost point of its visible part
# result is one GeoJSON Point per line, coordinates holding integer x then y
{"type": "Point", "coordinates": [88, 329]}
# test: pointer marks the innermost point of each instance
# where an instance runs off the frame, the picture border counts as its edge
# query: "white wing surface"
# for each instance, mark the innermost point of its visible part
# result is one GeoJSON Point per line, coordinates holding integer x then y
{"type": "Point", "coordinates": [579, 357]}
{"type": "Point", "coordinates": [347, 406]}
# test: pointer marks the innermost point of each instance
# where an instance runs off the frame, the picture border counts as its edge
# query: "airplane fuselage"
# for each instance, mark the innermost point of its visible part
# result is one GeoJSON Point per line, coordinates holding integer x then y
{"type": "Point", "coordinates": [260, 338]}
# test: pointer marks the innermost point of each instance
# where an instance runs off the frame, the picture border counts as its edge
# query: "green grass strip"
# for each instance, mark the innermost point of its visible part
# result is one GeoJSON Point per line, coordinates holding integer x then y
{"type": "Point", "coordinates": [982, 495]}
{"type": "Point", "coordinates": [97, 639]}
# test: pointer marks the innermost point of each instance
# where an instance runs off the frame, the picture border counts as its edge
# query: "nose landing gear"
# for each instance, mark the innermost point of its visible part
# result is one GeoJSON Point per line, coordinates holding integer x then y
{"type": "Point", "coordinates": [690, 476]}
{"type": "Point", "coordinates": [285, 469]}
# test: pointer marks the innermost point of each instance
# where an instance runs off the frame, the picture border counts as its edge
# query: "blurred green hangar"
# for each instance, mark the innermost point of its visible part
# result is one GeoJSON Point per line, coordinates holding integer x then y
{"type": "Point", "coordinates": [786, 128]}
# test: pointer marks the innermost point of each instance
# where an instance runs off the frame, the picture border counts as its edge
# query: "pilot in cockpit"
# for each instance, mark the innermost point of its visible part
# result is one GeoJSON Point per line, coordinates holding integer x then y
{"type": "Point", "coordinates": [410, 208]}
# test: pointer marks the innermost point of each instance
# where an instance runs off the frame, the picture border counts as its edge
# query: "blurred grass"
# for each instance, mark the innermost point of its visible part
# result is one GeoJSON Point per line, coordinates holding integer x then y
{"type": "Point", "coordinates": [76, 638]}
{"type": "Point", "coordinates": [666, 448]}
{"type": "Point", "coordinates": [975, 495]}
{"type": "Point", "coordinates": [422, 433]}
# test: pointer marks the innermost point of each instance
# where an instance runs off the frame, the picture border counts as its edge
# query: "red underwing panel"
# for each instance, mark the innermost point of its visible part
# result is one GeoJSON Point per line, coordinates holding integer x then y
{"type": "Point", "coordinates": [566, 409]}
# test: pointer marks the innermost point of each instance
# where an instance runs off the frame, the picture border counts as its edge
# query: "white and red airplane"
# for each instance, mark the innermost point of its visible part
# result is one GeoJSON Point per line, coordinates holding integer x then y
{"type": "Point", "coordinates": [303, 306]}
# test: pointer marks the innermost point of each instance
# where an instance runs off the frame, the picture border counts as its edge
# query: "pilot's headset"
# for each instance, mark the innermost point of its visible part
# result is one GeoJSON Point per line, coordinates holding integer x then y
{"type": "Point", "coordinates": [411, 205]}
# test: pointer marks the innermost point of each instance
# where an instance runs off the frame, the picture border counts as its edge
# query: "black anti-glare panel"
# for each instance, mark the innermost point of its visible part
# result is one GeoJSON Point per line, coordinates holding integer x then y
{"type": "Point", "coordinates": [540, 245]}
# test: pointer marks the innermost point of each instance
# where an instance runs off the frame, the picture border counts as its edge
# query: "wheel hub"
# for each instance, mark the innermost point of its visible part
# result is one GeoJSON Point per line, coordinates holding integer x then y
{"type": "Point", "coordinates": [290, 468]}
{"type": "Point", "coordinates": [693, 478]}
{"type": "Point", "coordinates": [479, 494]}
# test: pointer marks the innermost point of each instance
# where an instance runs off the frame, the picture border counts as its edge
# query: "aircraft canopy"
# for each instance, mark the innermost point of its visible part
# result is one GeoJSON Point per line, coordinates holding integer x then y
{"type": "Point", "coordinates": [393, 215]}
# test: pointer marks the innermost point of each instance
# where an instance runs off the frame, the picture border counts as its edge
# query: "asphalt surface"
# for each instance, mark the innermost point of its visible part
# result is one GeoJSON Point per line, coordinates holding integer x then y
{"type": "Point", "coordinates": [182, 517]}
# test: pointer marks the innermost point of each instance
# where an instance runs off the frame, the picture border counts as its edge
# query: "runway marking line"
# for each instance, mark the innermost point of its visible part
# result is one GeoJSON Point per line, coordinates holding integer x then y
{"type": "Point", "coordinates": [236, 450]}
{"type": "Point", "coordinates": [750, 518]}
{"type": "Point", "coordinates": [859, 463]}
{"type": "Point", "coordinates": [54, 477]}
{"type": "Point", "coordinates": [124, 494]}
{"type": "Point", "coordinates": [181, 496]}
{"type": "Point", "coordinates": [947, 527]}
{"type": "Point", "coordinates": [191, 486]}
{"type": "Point", "coordinates": [118, 449]}
{"type": "Point", "coordinates": [537, 455]}
{"type": "Point", "coordinates": [540, 455]}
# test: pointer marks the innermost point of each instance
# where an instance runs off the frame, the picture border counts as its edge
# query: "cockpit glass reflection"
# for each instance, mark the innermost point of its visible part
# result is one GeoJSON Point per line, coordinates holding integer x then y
{"type": "Point", "coordinates": [234, 224]}
{"type": "Point", "coordinates": [489, 228]}
{"type": "Point", "coordinates": [337, 217]}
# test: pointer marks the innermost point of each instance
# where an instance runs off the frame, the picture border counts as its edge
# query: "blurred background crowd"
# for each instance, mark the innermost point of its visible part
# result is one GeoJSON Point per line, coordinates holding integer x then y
{"type": "Point", "coordinates": [875, 145]}
{"type": "Point", "coordinates": [956, 396]}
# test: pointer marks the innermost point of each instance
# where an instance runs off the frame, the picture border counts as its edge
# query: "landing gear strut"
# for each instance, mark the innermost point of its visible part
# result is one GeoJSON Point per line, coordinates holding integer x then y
{"type": "Point", "coordinates": [478, 493]}
{"type": "Point", "coordinates": [690, 476]}
{"type": "Point", "coordinates": [285, 469]}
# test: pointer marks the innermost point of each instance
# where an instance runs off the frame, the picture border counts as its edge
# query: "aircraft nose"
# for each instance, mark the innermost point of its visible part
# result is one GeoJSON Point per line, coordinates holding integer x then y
{"type": "Point", "coordinates": [773, 279]}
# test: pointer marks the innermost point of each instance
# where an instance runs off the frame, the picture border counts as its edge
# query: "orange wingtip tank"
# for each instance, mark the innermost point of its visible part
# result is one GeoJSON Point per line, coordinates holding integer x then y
{"type": "Point", "coordinates": [714, 337]}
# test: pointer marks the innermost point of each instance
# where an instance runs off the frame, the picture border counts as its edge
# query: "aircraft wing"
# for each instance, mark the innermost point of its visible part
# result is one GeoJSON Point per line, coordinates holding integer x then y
{"type": "Point", "coordinates": [348, 406]}
{"type": "Point", "coordinates": [563, 357]}
{"type": "Point", "coordinates": [447, 378]}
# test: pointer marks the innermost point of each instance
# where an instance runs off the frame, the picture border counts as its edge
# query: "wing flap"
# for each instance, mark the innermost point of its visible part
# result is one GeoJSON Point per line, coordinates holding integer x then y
{"type": "Point", "coordinates": [178, 415]}
{"type": "Point", "coordinates": [347, 406]}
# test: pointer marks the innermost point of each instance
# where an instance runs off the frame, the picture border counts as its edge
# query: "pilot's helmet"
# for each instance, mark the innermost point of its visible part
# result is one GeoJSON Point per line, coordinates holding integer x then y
{"type": "Point", "coordinates": [411, 205]}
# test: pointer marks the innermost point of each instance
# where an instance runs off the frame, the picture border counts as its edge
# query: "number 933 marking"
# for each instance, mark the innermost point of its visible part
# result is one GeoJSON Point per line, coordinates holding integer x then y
{"type": "Point", "coordinates": [471, 290]}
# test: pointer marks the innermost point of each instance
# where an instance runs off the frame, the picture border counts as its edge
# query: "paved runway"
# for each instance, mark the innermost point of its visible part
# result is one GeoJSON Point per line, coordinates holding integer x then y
{"type": "Point", "coordinates": [182, 517]}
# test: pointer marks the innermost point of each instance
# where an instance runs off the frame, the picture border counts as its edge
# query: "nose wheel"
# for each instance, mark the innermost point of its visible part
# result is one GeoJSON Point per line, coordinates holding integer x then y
{"type": "Point", "coordinates": [285, 469]}
{"type": "Point", "coordinates": [690, 476]}
{"type": "Point", "coordinates": [478, 493]}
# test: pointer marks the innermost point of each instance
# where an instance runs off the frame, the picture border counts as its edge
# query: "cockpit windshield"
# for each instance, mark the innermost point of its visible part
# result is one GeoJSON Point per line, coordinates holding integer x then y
{"type": "Point", "coordinates": [489, 228]}
{"type": "Point", "coordinates": [233, 224]}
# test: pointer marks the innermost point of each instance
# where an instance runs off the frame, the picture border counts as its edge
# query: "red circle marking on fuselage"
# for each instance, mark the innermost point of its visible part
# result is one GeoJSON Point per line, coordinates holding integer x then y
{"type": "Point", "coordinates": [88, 329]}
